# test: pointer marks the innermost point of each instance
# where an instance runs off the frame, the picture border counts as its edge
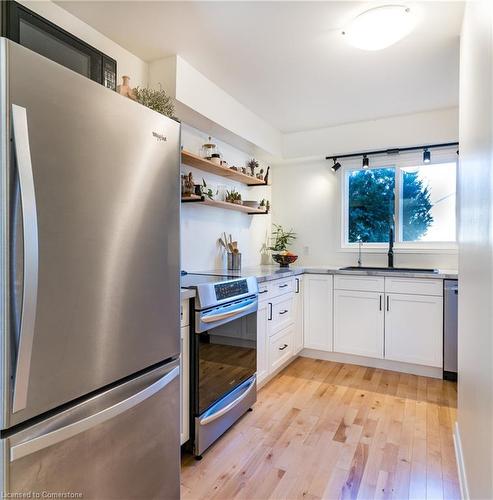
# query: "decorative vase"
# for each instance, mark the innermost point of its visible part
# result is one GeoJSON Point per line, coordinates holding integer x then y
{"type": "Point", "coordinates": [125, 90]}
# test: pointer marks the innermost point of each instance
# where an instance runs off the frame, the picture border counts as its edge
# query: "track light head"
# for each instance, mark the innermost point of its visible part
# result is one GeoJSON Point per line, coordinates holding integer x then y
{"type": "Point", "coordinates": [336, 165]}
{"type": "Point", "coordinates": [426, 156]}
{"type": "Point", "coordinates": [366, 161]}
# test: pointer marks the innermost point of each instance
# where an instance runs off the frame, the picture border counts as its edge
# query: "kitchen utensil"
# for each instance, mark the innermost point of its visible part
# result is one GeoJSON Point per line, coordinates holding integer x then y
{"type": "Point", "coordinates": [234, 261]}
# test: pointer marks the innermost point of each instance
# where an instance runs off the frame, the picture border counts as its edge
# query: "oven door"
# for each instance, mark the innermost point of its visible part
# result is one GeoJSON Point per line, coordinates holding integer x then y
{"type": "Point", "coordinates": [226, 353]}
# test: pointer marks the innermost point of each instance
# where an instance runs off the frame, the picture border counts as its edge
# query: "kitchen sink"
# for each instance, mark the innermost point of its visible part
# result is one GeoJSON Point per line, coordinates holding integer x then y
{"type": "Point", "coordinates": [390, 269]}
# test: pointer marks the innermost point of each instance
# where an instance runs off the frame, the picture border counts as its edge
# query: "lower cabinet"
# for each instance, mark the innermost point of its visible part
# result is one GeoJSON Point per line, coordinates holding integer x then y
{"type": "Point", "coordinates": [317, 311]}
{"type": "Point", "coordinates": [414, 329]}
{"type": "Point", "coordinates": [280, 348]}
{"type": "Point", "coordinates": [298, 339]}
{"type": "Point", "coordinates": [359, 323]}
{"type": "Point", "coordinates": [185, 385]}
{"type": "Point", "coordinates": [279, 324]}
{"type": "Point", "coordinates": [262, 341]}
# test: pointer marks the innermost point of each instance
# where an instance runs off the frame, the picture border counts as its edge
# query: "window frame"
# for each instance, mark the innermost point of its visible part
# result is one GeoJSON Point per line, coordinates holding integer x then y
{"type": "Point", "coordinates": [410, 159]}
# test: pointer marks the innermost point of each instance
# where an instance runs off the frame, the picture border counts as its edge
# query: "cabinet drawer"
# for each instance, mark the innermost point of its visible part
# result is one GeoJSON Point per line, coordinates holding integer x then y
{"type": "Point", "coordinates": [280, 287]}
{"type": "Point", "coordinates": [184, 313]}
{"type": "Point", "coordinates": [280, 348]}
{"type": "Point", "coordinates": [359, 283]}
{"type": "Point", "coordinates": [281, 313]}
{"type": "Point", "coordinates": [414, 286]}
{"type": "Point", "coordinates": [263, 292]}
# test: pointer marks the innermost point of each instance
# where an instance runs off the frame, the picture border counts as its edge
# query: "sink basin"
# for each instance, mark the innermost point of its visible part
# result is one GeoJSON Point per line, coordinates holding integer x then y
{"type": "Point", "coordinates": [390, 269]}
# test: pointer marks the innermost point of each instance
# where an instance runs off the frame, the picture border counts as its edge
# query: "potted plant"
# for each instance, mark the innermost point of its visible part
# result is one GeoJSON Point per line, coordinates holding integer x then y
{"type": "Point", "coordinates": [206, 191]}
{"type": "Point", "coordinates": [281, 239]}
{"type": "Point", "coordinates": [233, 196]}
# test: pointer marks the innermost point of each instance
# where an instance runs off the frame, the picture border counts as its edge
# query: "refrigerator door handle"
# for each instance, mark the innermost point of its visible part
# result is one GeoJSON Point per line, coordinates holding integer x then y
{"type": "Point", "coordinates": [30, 264]}
{"type": "Point", "coordinates": [56, 436]}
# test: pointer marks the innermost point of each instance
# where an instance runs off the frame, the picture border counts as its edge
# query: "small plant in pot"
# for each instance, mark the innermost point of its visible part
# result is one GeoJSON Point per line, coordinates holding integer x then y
{"type": "Point", "coordinates": [206, 191]}
{"type": "Point", "coordinates": [233, 197]}
{"type": "Point", "coordinates": [281, 239]}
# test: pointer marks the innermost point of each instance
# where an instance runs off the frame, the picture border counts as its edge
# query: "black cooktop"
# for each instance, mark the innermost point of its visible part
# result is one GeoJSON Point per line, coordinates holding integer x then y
{"type": "Point", "coordinates": [191, 280]}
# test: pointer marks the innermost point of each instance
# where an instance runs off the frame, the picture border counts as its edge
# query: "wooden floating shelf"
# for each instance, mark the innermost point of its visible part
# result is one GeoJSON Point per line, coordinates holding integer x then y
{"type": "Point", "coordinates": [196, 161]}
{"type": "Point", "coordinates": [223, 204]}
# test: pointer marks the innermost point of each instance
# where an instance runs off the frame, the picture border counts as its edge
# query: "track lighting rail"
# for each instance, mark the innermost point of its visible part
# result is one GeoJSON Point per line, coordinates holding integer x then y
{"type": "Point", "coordinates": [392, 151]}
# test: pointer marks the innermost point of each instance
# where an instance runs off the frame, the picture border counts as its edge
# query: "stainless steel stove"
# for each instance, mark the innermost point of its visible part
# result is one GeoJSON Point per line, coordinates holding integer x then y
{"type": "Point", "coordinates": [223, 354]}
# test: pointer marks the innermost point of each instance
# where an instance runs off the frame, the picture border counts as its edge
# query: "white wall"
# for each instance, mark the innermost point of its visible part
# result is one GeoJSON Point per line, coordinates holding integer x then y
{"type": "Point", "coordinates": [127, 63]}
{"type": "Point", "coordinates": [198, 99]}
{"type": "Point", "coordinates": [475, 407]}
{"type": "Point", "coordinates": [429, 127]}
{"type": "Point", "coordinates": [306, 194]}
{"type": "Point", "coordinates": [201, 226]}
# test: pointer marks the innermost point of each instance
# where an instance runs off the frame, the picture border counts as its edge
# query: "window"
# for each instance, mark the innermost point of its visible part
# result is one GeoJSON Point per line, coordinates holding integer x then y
{"type": "Point", "coordinates": [417, 201]}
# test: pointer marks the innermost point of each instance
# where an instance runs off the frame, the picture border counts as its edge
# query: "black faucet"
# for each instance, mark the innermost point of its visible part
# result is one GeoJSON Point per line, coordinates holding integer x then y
{"type": "Point", "coordinates": [391, 247]}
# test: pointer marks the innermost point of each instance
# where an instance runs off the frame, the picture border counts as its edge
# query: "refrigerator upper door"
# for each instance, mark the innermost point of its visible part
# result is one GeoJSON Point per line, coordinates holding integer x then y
{"type": "Point", "coordinates": [97, 274]}
{"type": "Point", "coordinates": [123, 443]}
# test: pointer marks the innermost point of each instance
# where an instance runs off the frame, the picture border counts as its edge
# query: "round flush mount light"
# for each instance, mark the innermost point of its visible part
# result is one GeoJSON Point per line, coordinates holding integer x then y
{"type": "Point", "coordinates": [380, 27]}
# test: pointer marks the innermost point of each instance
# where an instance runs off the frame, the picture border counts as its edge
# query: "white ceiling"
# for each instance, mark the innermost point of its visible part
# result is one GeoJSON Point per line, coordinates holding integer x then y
{"type": "Point", "coordinates": [287, 61]}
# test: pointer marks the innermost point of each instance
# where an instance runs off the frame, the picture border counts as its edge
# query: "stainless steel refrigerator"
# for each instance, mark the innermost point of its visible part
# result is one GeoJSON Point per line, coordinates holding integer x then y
{"type": "Point", "coordinates": [89, 287]}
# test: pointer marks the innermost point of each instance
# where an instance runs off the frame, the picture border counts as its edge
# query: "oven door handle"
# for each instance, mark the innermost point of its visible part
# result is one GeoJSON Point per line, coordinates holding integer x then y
{"type": "Point", "coordinates": [230, 406]}
{"type": "Point", "coordinates": [212, 318]}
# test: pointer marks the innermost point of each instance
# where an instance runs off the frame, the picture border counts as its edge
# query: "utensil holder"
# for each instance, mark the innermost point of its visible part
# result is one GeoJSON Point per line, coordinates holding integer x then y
{"type": "Point", "coordinates": [234, 261]}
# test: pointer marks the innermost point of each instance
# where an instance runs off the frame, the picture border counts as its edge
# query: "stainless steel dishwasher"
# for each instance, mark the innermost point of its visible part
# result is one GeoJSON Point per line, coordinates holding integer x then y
{"type": "Point", "coordinates": [450, 292]}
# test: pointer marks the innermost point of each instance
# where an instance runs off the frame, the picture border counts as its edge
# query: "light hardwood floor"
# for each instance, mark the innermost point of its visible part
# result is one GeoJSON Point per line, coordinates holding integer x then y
{"type": "Point", "coordinates": [329, 430]}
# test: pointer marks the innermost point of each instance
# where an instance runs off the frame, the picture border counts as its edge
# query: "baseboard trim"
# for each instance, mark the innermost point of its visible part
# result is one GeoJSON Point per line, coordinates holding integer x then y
{"type": "Point", "coordinates": [385, 364]}
{"type": "Point", "coordinates": [464, 490]}
{"type": "Point", "coordinates": [269, 377]}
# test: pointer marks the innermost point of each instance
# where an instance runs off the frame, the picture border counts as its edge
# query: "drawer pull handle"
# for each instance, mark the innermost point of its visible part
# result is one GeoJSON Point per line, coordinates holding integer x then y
{"type": "Point", "coordinates": [262, 291]}
{"type": "Point", "coordinates": [297, 285]}
{"type": "Point", "coordinates": [283, 312]}
{"type": "Point", "coordinates": [283, 286]}
{"type": "Point", "coordinates": [270, 312]}
{"type": "Point", "coordinates": [283, 347]}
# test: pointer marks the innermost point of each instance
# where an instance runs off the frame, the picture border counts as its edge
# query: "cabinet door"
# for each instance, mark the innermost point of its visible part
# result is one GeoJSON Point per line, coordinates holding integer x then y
{"type": "Point", "coordinates": [262, 338]}
{"type": "Point", "coordinates": [359, 323]}
{"type": "Point", "coordinates": [317, 310]}
{"type": "Point", "coordinates": [298, 315]}
{"type": "Point", "coordinates": [414, 329]}
{"type": "Point", "coordinates": [185, 385]}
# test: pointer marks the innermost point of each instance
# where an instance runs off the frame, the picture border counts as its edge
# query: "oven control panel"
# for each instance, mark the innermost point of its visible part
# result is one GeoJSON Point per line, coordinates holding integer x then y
{"type": "Point", "coordinates": [230, 289]}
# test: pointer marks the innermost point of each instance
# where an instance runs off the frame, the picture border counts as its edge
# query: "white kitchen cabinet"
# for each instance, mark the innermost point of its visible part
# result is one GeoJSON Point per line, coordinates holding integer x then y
{"type": "Point", "coordinates": [281, 312]}
{"type": "Point", "coordinates": [317, 311]}
{"type": "Point", "coordinates": [414, 329]}
{"type": "Point", "coordinates": [262, 341]}
{"type": "Point", "coordinates": [298, 315]}
{"type": "Point", "coordinates": [185, 385]}
{"type": "Point", "coordinates": [359, 323]}
{"type": "Point", "coordinates": [280, 348]}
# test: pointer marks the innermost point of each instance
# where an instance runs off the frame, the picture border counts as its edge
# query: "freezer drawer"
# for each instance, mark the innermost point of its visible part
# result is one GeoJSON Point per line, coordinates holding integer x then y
{"type": "Point", "coordinates": [123, 443]}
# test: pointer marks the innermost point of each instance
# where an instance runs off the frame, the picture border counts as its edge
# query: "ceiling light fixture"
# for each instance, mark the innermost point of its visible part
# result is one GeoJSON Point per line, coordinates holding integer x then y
{"type": "Point", "coordinates": [426, 155]}
{"type": "Point", "coordinates": [336, 165]}
{"type": "Point", "coordinates": [366, 161]}
{"type": "Point", "coordinates": [380, 27]}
